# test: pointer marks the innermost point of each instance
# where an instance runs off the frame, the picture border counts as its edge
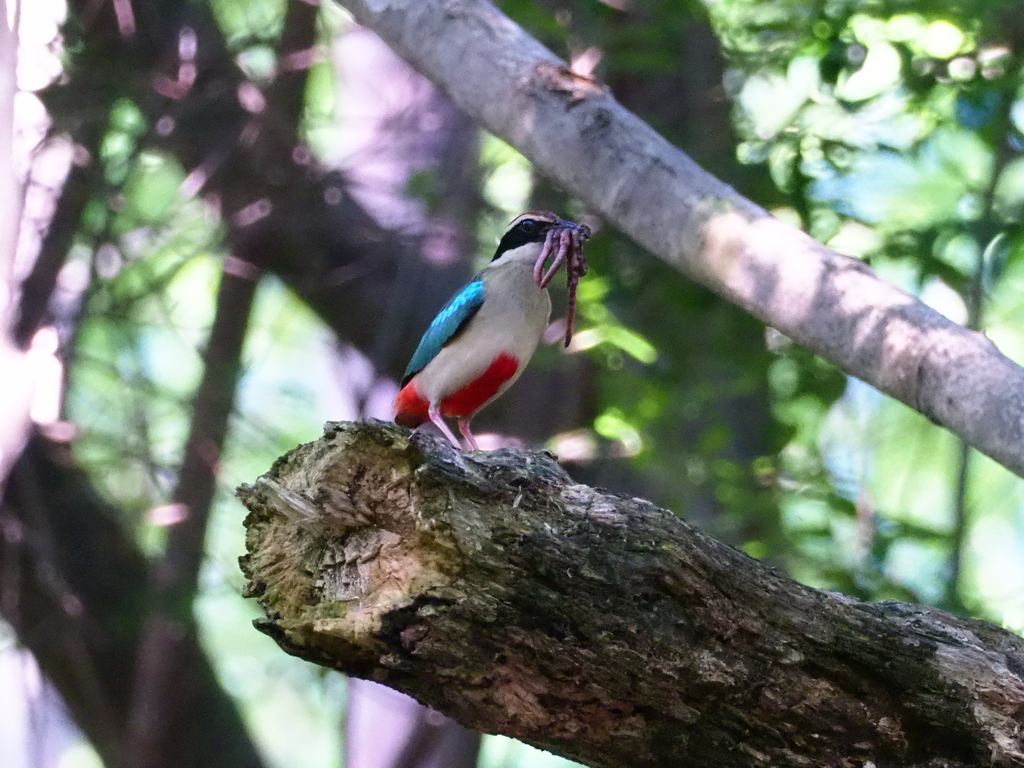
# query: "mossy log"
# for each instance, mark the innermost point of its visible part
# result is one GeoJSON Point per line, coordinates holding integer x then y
{"type": "Point", "coordinates": [494, 589]}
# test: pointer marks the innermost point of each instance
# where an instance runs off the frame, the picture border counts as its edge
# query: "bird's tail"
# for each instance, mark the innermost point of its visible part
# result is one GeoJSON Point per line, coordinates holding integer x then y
{"type": "Point", "coordinates": [411, 408]}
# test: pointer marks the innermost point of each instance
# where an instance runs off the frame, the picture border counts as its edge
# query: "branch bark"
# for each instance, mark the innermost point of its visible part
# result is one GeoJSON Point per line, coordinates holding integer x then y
{"type": "Point", "coordinates": [575, 132]}
{"type": "Point", "coordinates": [493, 588]}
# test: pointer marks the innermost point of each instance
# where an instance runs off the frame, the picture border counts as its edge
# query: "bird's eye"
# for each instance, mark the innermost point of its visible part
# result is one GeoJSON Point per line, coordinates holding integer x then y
{"type": "Point", "coordinates": [529, 226]}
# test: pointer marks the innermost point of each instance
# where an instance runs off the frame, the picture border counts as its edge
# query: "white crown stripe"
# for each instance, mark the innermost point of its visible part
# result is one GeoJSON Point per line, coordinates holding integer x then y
{"type": "Point", "coordinates": [537, 215]}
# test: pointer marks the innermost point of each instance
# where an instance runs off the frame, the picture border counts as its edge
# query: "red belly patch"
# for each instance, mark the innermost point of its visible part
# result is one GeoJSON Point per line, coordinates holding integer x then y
{"type": "Point", "coordinates": [411, 408]}
{"type": "Point", "coordinates": [471, 397]}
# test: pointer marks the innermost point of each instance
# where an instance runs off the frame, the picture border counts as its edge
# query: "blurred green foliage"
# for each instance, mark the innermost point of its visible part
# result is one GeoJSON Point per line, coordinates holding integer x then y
{"type": "Point", "coordinates": [890, 125]}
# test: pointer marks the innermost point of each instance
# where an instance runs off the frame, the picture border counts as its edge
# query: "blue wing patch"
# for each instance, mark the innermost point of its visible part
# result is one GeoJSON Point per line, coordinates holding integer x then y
{"type": "Point", "coordinates": [446, 326]}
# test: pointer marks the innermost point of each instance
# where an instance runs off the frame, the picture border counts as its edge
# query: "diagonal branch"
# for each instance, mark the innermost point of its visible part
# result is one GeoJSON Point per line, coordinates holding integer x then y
{"type": "Point", "coordinates": [84, 178]}
{"type": "Point", "coordinates": [493, 588]}
{"type": "Point", "coordinates": [160, 703]}
{"type": "Point", "coordinates": [577, 134]}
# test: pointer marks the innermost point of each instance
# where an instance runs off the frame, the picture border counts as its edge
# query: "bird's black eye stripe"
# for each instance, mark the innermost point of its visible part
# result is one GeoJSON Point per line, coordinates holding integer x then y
{"type": "Point", "coordinates": [526, 231]}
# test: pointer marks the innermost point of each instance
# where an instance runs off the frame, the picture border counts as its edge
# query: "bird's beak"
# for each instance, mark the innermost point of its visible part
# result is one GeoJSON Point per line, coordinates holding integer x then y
{"type": "Point", "coordinates": [582, 230]}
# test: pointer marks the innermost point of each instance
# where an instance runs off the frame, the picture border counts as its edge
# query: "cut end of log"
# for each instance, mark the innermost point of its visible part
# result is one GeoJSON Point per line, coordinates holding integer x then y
{"type": "Point", "coordinates": [345, 532]}
{"type": "Point", "coordinates": [333, 546]}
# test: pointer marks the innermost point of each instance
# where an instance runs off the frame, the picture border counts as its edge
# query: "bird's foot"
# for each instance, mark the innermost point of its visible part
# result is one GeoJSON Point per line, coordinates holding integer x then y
{"type": "Point", "coordinates": [435, 416]}
{"type": "Point", "coordinates": [464, 429]}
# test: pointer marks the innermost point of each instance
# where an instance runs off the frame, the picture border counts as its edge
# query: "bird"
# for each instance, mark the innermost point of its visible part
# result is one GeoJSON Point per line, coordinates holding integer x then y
{"type": "Point", "coordinates": [481, 340]}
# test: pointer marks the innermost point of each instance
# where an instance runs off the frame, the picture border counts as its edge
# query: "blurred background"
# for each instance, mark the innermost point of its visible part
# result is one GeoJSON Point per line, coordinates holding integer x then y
{"type": "Point", "coordinates": [238, 216]}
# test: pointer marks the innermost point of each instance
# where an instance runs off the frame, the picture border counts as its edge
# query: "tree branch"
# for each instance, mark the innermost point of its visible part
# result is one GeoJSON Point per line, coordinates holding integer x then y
{"type": "Point", "coordinates": [160, 703]}
{"type": "Point", "coordinates": [82, 181]}
{"type": "Point", "coordinates": [576, 133]}
{"type": "Point", "coordinates": [494, 589]}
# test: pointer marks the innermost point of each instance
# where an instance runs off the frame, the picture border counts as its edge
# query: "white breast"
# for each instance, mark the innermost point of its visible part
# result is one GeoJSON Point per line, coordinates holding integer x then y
{"type": "Point", "coordinates": [512, 319]}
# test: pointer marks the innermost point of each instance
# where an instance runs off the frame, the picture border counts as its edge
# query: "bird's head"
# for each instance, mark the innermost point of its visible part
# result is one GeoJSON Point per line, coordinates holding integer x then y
{"type": "Point", "coordinates": [531, 229]}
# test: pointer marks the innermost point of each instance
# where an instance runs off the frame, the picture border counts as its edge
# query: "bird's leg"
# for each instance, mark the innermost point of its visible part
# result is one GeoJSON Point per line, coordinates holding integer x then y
{"type": "Point", "coordinates": [464, 429]}
{"type": "Point", "coordinates": [435, 416]}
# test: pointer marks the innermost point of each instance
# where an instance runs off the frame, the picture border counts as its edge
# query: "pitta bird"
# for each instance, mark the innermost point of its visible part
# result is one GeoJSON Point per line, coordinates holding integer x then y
{"type": "Point", "coordinates": [480, 342]}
